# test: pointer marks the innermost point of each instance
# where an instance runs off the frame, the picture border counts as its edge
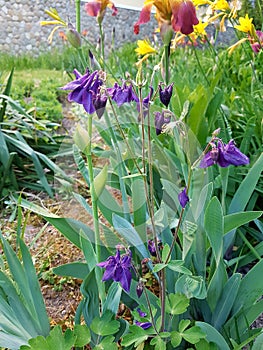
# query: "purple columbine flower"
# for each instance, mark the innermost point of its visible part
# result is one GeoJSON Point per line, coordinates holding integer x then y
{"type": "Point", "coordinates": [166, 94]}
{"type": "Point", "coordinates": [99, 103]}
{"type": "Point", "coordinates": [143, 325]}
{"type": "Point", "coordinates": [159, 121]}
{"type": "Point", "coordinates": [118, 268]}
{"type": "Point", "coordinates": [183, 198]}
{"type": "Point", "coordinates": [84, 87]}
{"type": "Point", "coordinates": [122, 94]}
{"type": "Point", "coordinates": [224, 155]}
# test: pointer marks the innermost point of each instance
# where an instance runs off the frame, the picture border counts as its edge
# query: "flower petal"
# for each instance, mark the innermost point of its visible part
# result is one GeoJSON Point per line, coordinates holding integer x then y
{"type": "Point", "coordinates": [145, 16]}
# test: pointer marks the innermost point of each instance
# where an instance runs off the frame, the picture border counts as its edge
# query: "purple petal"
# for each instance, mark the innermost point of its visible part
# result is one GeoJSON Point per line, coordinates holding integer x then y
{"type": "Point", "coordinates": [125, 280]}
{"type": "Point", "coordinates": [143, 325]}
{"type": "Point", "coordinates": [234, 156]}
{"type": "Point", "coordinates": [87, 102]}
{"type": "Point", "coordinates": [183, 198]}
{"type": "Point", "coordinates": [207, 160]}
{"type": "Point", "coordinates": [141, 313]}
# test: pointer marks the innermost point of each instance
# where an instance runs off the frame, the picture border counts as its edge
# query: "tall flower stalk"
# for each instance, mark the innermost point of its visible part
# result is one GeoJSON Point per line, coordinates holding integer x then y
{"type": "Point", "coordinates": [78, 18]}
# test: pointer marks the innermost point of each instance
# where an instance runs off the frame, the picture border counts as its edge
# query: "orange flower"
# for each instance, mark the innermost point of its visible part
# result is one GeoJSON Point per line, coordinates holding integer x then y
{"type": "Point", "coordinates": [179, 15]}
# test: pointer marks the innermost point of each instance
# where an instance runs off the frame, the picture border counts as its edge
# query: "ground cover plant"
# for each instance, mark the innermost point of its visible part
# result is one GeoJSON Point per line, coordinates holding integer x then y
{"type": "Point", "coordinates": [175, 262]}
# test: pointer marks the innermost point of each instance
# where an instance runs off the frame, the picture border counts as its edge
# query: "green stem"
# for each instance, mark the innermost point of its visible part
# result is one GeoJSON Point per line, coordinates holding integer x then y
{"type": "Point", "coordinates": [102, 44]}
{"type": "Point", "coordinates": [166, 63]}
{"type": "Point", "coordinates": [77, 9]}
{"type": "Point", "coordinates": [95, 213]}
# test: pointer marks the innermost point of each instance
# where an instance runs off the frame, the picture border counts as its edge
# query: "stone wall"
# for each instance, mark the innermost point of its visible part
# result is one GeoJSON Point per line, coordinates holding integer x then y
{"type": "Point", "coordinates": [20, 31]}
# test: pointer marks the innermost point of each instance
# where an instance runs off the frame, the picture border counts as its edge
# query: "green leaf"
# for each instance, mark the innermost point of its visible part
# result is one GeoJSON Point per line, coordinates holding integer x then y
{"type": "Point", "coordinates": [243, 195]}
{"type": "Point", "coordinates": [226, 301]}
{"type": "Point", "coordinates": [212, 335]}
{"type": "Point", "coordinates": [35, 291]}
{"type": "Point", "coordinates": [258, 344]}
{"type": "Point", "coordinates": [214, 227]}
{"type": "Point", "coordinates": [250, 289]}
{"type": "Point", "coordinates": [100, 181]}
{"type": "Point", "coordinates": [177, 304]}
{"type": "Point", "coordinates": [177, 265]}
{"type": "Point", "coordinates": [38, 343]}
{"type": "Point", "coordinates": [216, 285]}
{"type": "Point", "coordinates": [235, 220]}
{"type": "Point", "coordinates": [137, 335]}
{"type": "Point", "coordinates": [81, 334]}
{"type": "Point", "coordinates": [158, 343]}
{"type": "Point", "coordinates": [159, 267]}
{"type": "Point", "coordinates": [165, 252]}
{"type": "Point", "coordinates": [183, 325]}
{"type": "Point", "coordinates": [91, 306]}
{"type": "Point", "coordinates": [59, 341]}
{"type": "Point", "coordinates": [176, 339]}
{"type": "Point", "coordinates": [6, 92]}
{"type": "Point", "coordinates": [107, 344]}
{"type": "Point", "coordinates": [31, 305]}
{"type": "Point", "coordinates": [127, 231]}
{"type": "Point", "coordinates": [76, 270]}
{"type": "Point", "coordinates": [193, 335]}
{"type": "Point", "coordinates": [113, 298]}
{"type": "Point", "coordinates": [105, 325]}
{"type": "Point", "coordinates": [139, 207]}
{"type": "Point", "coordinates": [191, 286]}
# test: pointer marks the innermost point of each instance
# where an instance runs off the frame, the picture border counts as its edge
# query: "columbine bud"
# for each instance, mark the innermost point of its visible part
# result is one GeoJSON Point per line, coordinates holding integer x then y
{"type": "Point", "coordinates": [166, 94]}
{"type": "Point", "coordinates": [139, 289]}
{"type": "Point", "coordinates": [73, 36]}
{"type": "Point", "coordinates": [183, 198]}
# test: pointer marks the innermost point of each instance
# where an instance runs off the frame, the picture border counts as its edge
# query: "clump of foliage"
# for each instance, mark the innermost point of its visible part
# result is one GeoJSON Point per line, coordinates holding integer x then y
{"type": "Point", "coordinates": [187, 218]}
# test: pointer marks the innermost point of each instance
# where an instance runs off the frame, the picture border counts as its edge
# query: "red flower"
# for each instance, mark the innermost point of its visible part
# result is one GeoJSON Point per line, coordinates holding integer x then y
{"type": "Point", "coordinates": [180, 15]}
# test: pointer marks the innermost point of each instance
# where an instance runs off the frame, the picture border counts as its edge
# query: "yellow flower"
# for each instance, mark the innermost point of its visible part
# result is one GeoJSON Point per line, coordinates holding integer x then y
{"type": "Point", "coordinates": [201, 2]}
{"type": "Point", "coordinates": [144, 48]}
{"type": "Point", "coordinates": [221, 5]}
{"type": "Point", "coordinates": [199, 29]}
{"type": "Point", "coordinates": [57, 20]}
{"type": "Point", "coordinates": [245, 25]}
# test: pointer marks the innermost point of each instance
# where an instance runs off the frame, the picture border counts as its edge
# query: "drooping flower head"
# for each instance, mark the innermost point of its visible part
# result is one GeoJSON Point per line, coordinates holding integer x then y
{"type": "Point", "coordinates": [160, 120]}
{"type": "Point", "coordinates": [97, 8]}
{"type": "Point", "coordinates": [86, 90]}
{"type": "Point", "coordinates": [183, 198]}
{"type": "Point", "coordinates": [118, 268]}
{"type": "Point", "coordinates": [177, 15]}
{"type": "Point", "coordinates": [165, 94]}
{"type": "Point", "coordinates": [122, 94]}
{"type": "Point", "coordinates": [224, 155]}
